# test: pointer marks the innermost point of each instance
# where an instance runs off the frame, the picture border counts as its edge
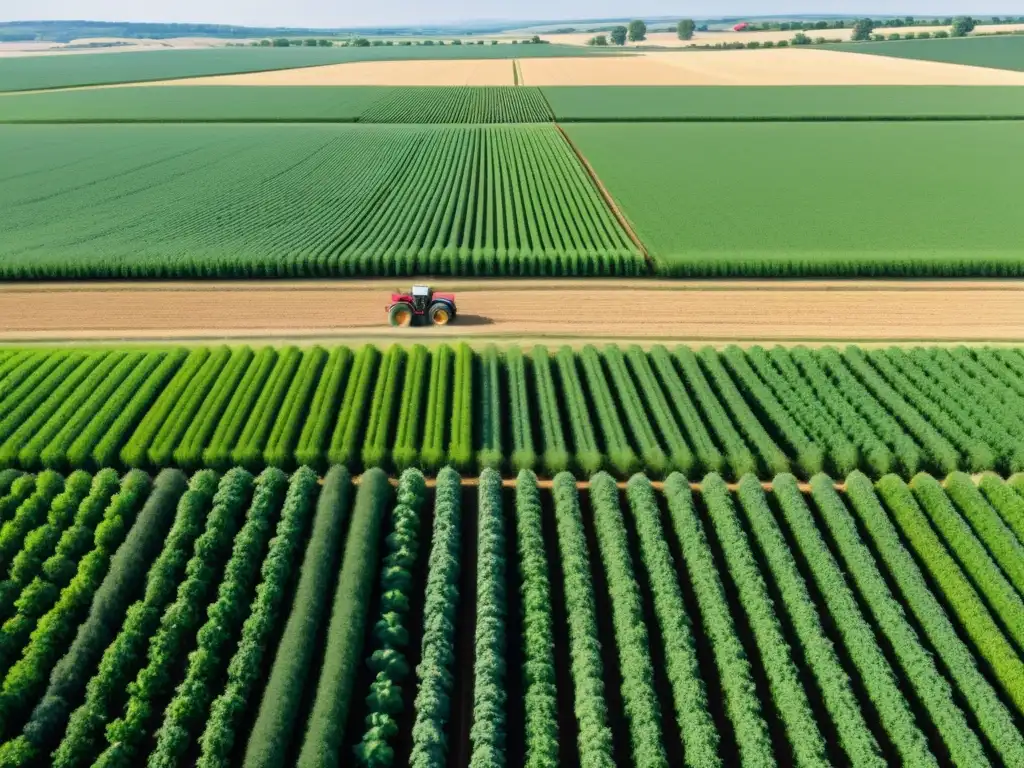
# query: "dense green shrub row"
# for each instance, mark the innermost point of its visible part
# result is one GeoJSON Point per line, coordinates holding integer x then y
{"type": "Point", "coordinates": [621, 410]}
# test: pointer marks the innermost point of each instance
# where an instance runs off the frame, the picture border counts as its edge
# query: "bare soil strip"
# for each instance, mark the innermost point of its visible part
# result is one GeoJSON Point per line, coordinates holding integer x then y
{"type": "Point", "coordinates": [554, 311]}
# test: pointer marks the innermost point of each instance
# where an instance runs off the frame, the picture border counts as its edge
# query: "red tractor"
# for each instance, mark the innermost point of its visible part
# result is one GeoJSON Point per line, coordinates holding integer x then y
{"type": "Point", "coordinates": [419, 305]}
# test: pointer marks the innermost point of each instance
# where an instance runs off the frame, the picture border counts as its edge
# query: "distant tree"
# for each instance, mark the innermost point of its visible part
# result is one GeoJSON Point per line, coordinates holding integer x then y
{"type": "Point", "coordinates": [768, 44]}
{"type": "Point", "coordinates": [619, 35]}
{"type": "Point", "coordinates": [820, 41]}
{"type": "Point", "coordinates": [948, 21]}
{"type": "Point", "coordinates": [785, 26]}
{"type": "Point", "coordinates": [685, 29]}
{"type": "Point", "coordinates": [600, 40]}
{"type": "Point", "coordinates": [377, 43]}
{"type": "Point", "coordinates": [996, 20]}
{"type": "Point", "coordinates": [361, 42]}
{"type": "Point", "coordinates": [754, 44]}
{"type": "Point", "coordinates": [821, 25]}
{"type": "Point", "coordinates": [895, 36]}
{"type": "Point", "coordinates": [782, 44]}
{"type": "Point", "coordinates": [877, 38]}
{"type": "Point", "coordinates": [309, 43]}
{"type": "Point", "coordinates": [494, 42]}
{"type": "Point", "coordinates": [325, 43]}
{"type": "Point", "coordinates": [479, 42]}
{"type": "Point", "coordinates": [637, 31]}
{"type": "Point", "coordinates": [801, 39]}
{"type": "Point", "coordinates": [862, 29]}
{"type": "Point", "coordinates": [941, 34]}
{"type": "Point", "coordinates": [963, 26]}
{"type": "Point", "coordinates": [282, 42]}
{"type": "Point", "coordinates": [923, 35]}
{"type": "Point", "coordinates": [426, 42]}
{"type": "Point", "coordinates": [265, 43]}
{"type": "Point", "coordinates": [535, 40]}
{"type": "Point", "coordinates": [456, 42]}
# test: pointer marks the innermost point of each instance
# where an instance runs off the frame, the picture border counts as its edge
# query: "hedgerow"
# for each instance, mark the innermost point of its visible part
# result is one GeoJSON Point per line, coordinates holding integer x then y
{"type": "Point", "coordinates": [122, 658]}
{"type": "Point", "coordinates": [325, 730]}
{"type": "Point", "coordinates": [595, 736]}
{"type": "Point", "coordinates": [244, 669]}
{"type": "Point", "coordinates": [488, 734]}
{"type": "Point", "coordinates": [147, 694]}
{"type": "Point", "coordinates": [57, 570]}
{"type": "Point", "coordinates": [390, 633]}
{"type": "Point", "coordinates": [39, 543]}
{"type": "Point", "coordinates": [190, 704]}
{"type": "Point", "coordinates": [460, 445]}
{"type": "Point", "coordinates": [1008, 503]}
{"type": "Point", "coordinates": [994, 720]}
{"type": "Point", "coordinates": [101, 450]}
{"type": "Point", "coordinates": [874, 452]}
{"type": "Point", "coordinates": [217, 453]}
{"type": "Point", "coordinates": [783, 678]}
{"type": "Point", "coordinates": [118, 589]}
{"type": "Point", "coordinates": [840, 701]}
{"type": "Point", "coordinates": [189, 451]}
{"type": "Point", "coordinates": [540, 699]}
{"type": "Point", "coordinates": [248, 451]}
{"type": "Point", "coordinates": [284, 436]}
{"type": "Point", "coordinates": [973, 556]}
{"type": "Point", "coordinates": [435, 670]}
{"type": "Point", "coordinates": [620, 453]}
{"type": "Point", "coordinates": [639, 698]}
{"type": "Point", "coordinates": [918, 665]}
{"type": "Point", "coordinates": [406, 447]}
{"type": "Point", "coordinates": [627, 395]}
{"type": "Point", "coordinates": [134, 452]}
{"type": "Point", "coordinates": [316, 432]}
{"type": "Point", "coordinates": [741, 702]}
{"type": "Point", "coordinates": [383, 407]}
{"type": "Point", "coordinates": [28, 515]}
{"type": "Point", "coordinates": [27, 677]}
{"type": "Point", "coordinates": [276, 722]}
{"type": "Point", "coordinates": [878, 677]}
{"type": "Point", "coordinates": [348, 432]}
{"type": "Point", "coordinates": [492, 410]}
{"type": "Point", "coordinates": [435, 422]}
{"type": "Point", "coordinates": [193, 395]}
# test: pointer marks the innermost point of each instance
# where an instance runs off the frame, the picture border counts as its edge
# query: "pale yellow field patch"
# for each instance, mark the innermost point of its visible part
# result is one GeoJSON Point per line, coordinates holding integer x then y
{"type": "Point", "coordinates": [758, 67]}
{"type": "Point", "coordinates": [454, 72]}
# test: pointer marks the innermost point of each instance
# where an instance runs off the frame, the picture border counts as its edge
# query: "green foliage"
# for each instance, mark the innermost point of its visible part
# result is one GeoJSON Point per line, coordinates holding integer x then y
{"type": "Point", "coordinates": [27, 677]}
{"type": "Point", "coordinates": [741, 704]}
{"type": "Point", "coordinates": [294, 410]}
{"type": "Point", "coordinates": [122, 658]}
{"type": "Point", "coordinates": [555, 456]}
{"type": "Point", "coordinates": [436, 416]}
{"type": "Point", "coordinates": [637, 31]}
{"type": "Point", "coordinates": [517, 406]}
{"type": "Point", "coordinates": [685, 29]}
{"type": "Point", "coordinates": [638, 695]}
{"type": "Point", "coordinates": [994, 720]}
{"type": "Point", "coordinates": [491, 412]}
{"type": "Point", "coordinates": [383, 407]}
{"type": "Point", "coordinates": [189, 707]}
{"type": "Point", "coordinates": [620, 453]}
{"type": "Point", "coordinates": [627, 395]}
{"type": "Point", "coordinates": [435, 670]}
{"type": "Point", "coordinates": [348, 431]}
{"type": "Point", "coordinates": [840, 700]}
{"type": "Point", "coordinates": [217, 453]}
{"type": "Point", "coordinates": [459, 104]}
{"type": "Point", "coordinates": [325, 730]}
{"type": "Point", "coordinates": [540, 682]}
{"type": "Point", "coordinates": [25, 409]}
{"type": "Point", "coordinates": [918, 666]}
{"type": "Point", "coordinates": [595, 736]}
{"type": "Point", "coordinates": [324, 409]}
{"type": "Point", "coordinates": [29, 515]}
{"type": "Point", "coordinates": [680, 456]}
{"type": "Point", "coordinates": [390, 633]}
{"type": "Point", "coordinates": [618, 35]}
{"type": "Point", "coordinates": [277, 721]}
{"type": "Point", "coordinates": [248, 451]}
{"type": "Point", "coordinates": [168, 646]}
{"type": "Point", "coordinates": [460, 443]}
{"type": "Point", "coordinates": [410, 415]}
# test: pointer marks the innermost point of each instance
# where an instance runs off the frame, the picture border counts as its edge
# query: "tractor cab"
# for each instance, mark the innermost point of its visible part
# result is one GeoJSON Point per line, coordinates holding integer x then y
{"type": "Point", "coordinates": [421, 295]}
{"type": "Point", "coordinates": [420, 305]}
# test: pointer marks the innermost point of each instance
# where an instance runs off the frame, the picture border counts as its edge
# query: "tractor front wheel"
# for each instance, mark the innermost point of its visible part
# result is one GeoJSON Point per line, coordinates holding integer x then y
{"type": "Point", "coordinates": [400, 315]}
{"type": "Point", "coordinates": [440, 313]}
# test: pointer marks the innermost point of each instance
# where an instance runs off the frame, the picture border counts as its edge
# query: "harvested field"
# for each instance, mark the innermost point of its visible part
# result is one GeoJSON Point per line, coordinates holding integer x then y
{"type": "Point", "coordinates": [760, 67]}
{"type": "Point", "coordinates": [520, 310]}
{"type": "Point", "coordinates": [459, 72]}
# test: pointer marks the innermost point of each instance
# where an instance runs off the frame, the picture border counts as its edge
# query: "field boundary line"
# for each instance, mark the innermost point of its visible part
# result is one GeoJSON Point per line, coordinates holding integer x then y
{"type": "Point", "coordinates": [608, 199]}
{"type": "Point", "coordinates": [796, 119]}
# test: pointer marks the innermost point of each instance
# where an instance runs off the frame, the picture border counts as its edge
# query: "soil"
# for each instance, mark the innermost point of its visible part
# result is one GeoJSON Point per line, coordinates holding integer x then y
{"type": "Point", "coordinates": [529, 311]}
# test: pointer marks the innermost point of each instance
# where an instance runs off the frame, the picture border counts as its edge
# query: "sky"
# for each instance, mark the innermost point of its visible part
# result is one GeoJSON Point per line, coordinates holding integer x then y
{"type": "Point", "coordinates": [347, 13]}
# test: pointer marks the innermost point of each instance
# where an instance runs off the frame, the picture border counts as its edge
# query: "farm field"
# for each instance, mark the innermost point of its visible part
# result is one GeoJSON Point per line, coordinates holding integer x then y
{"type": "Point", "coordinates": [269, 621]}
{"type": "Point", "coordinates": [520, 310]}
{"type": "Point", "coordinates": [753, 199]}
{"type": "Point", "coordinates": [995, 52]}
{"type": "Point", "coordinates": [302, 200]}
{"type": "Point", "coordinates": [619, 408]}
{"type": "Point", "coordinates": [44, 72]}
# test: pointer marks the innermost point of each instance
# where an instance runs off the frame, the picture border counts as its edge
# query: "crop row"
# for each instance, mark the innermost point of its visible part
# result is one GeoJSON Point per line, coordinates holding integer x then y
{"type": "Point", "coordinates": [305, 200]}
{"type": "Point", "coordinates": [656, 625]}
{"type": "Point", "coordinates": [460, 104]}
{"type": "Point", "coordinates": [619, 409]}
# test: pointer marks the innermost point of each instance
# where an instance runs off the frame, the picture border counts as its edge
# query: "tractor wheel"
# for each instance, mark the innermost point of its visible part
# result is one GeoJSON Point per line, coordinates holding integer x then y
{"type": "Point", "coordinates": [440, 313]}
{"type": "Point", "coordinates": [400, 315]}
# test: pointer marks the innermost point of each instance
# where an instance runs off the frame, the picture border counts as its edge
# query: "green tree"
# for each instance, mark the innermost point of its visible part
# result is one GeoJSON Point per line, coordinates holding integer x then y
{"type": "Point", "coordinates": [637, 31]}
{"type": "Point", "coordinates": [600, 40]}
{"type": "Point", "coordinates": [862, 29]}
{"type": "Point", "coordinates": [281, 42]}
{"type": "Point", "coordinates": [801, 39]}
{"type": "Point", "coordinates": [619, 35]}
{"type": "Point", "coordinates": [685, 29]}
{"type": "Point", "coordinates": [963, 26]}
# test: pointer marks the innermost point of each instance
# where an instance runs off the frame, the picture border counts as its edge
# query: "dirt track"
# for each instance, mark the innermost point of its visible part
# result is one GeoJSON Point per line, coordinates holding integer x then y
{"type": "Point", "coordinates": [515, 311]}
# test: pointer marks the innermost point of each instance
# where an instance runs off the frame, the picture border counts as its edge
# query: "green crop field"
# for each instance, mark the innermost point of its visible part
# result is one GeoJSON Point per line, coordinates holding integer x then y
{"type": "Point", "coordinates": [274, 620]}
{"type": "Point", "coordinates": [620, 409]}
{"type": "Point", "coordinates": [278, 104]}
{"type": "Point", "coordinates": [669, 103]}
{"type": "Point", "coordinates": [40, 72]}
{"type": "Point", "coordinates": [816, 199]}
{"type": "Point", "coordinates": [301, 200]}
{"type": "Point", "coordinates": [996, 51]}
